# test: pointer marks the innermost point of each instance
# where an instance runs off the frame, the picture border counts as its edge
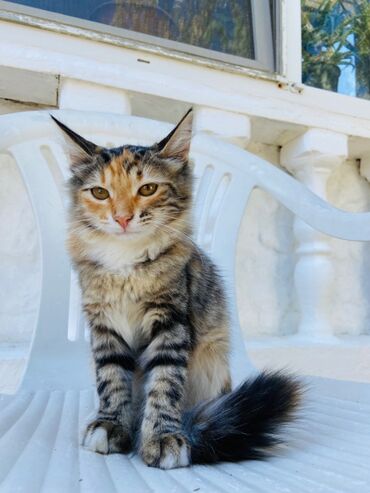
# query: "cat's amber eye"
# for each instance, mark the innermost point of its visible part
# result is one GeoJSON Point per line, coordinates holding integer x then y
{"type": "Point", "coordinates": [100, 193]}
{"type": "Point", "coordinates": [148, 189]}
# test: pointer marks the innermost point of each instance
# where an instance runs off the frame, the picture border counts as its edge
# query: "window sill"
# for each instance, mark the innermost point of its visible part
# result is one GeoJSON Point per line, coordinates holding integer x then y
{"type": "Point", "coordinates": [136, 41]}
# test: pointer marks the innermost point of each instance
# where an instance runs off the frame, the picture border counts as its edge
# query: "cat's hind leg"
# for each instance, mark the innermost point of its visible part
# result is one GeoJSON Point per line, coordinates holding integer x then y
{"type": "Point", "coordinates": [209, 373]}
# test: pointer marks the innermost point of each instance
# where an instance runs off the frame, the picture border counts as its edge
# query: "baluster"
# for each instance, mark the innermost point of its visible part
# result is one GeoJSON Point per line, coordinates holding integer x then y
{"type": "Point", "coordinates": [311, 158]}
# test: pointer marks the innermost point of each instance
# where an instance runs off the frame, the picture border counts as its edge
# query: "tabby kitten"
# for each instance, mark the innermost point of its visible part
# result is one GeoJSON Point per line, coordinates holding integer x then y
{"type": "Point", "coordinates": [156, 308]}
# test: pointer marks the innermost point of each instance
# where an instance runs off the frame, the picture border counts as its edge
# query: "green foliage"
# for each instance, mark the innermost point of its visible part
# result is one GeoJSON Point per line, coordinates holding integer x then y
{"type": "Point", "coordinates": [361, 28]}
{"type": "Point", "coordinates": [335, 34]}
{"type": "Point", "coordinates": [324, 43]}
{"type": "Point", "coordinates": [361, 48]}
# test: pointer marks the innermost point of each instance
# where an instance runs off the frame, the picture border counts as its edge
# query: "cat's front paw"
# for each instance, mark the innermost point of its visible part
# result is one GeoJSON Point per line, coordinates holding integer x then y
{"type": "Point", "coordinates": [107, 437]}
{"type": "Point", "coordinates": [166, 451]}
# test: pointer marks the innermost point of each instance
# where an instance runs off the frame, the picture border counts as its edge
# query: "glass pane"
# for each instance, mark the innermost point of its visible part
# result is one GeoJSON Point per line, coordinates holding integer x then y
{"type": "Point", "coordinates": [220, 25]}
{"type": "Point", "coordinates": [336, 45]}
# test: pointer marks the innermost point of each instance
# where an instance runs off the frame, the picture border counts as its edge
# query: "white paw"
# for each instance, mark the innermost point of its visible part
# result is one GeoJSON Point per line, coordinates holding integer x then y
{"type": "Point", "coordinates": [96, 440]}
{"type": "Point", "coordinates": [170, 460]}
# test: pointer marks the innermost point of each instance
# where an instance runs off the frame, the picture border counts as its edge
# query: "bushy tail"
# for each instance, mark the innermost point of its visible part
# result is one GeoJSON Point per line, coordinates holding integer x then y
{"type": "Point", "coordinates": [244, 423]}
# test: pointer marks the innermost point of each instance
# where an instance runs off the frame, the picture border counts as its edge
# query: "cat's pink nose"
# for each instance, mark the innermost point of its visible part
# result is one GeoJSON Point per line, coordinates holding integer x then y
{"type": "Point", "coordinates": [123, 221]}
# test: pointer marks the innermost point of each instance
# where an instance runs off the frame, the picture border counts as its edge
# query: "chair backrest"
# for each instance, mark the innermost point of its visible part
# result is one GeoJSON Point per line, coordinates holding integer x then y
{"type": "Point", "coordinates": [225, 176]}
{"type": "Point", "coordinates": [59, 352]}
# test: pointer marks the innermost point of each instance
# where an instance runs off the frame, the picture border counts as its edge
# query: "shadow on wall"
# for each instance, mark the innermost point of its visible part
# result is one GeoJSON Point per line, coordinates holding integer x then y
{"type": "Point", "coordinates": [265, 268]}
{"type": "Point", "coordinates": [19, 258]}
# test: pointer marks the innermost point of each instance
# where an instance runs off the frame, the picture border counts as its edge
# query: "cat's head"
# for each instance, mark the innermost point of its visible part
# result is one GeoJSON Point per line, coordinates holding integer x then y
{"type": "Point", "coordinates": [131, 190]}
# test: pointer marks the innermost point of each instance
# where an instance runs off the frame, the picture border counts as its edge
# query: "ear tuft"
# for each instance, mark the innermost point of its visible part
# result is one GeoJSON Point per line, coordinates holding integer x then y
{"type": "Point", "coordinates": [177, 143]}
{"type": "Point", "coordinates": [80, 149]}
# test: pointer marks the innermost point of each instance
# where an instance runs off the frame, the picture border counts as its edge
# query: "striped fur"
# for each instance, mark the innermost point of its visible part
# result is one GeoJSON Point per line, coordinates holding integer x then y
{"type": "Point", "coordinates": [154, 301]}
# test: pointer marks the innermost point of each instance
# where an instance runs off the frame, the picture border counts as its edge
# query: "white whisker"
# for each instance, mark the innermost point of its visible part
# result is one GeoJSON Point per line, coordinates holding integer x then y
{"type": "Point", "coordinates": [181, 235]}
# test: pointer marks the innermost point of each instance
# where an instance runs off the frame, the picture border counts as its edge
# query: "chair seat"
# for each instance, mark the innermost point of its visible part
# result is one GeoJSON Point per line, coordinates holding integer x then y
{"type": "Point", "coordinates": [328, 450]}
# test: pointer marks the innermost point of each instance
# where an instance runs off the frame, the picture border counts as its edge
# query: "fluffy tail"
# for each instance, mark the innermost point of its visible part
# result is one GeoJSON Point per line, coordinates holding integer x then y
{"type": "Point", "coordinates": [244, 423]}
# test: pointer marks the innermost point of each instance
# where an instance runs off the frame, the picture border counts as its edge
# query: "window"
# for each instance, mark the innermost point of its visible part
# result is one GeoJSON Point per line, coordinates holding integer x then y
{"type": "Point", "coordinates": [232, 31]}
{"type": "Point", "coordinates": [336, 45]}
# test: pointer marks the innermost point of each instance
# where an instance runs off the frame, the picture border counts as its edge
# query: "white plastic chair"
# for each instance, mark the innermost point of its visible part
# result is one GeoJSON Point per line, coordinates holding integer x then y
{"type": "Point", "coordinates": [328, 450]}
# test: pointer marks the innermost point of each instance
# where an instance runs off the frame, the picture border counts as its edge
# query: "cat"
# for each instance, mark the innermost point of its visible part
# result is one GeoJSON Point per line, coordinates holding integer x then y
{"type": "Point", "coordinates": [158, 316]}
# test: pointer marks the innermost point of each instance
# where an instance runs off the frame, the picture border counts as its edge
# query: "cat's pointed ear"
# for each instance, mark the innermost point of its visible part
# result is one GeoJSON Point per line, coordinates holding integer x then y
{"type": "Point", "coordinates": [80, 149]}
{"type": "Point", "coordinates": [177, 143]}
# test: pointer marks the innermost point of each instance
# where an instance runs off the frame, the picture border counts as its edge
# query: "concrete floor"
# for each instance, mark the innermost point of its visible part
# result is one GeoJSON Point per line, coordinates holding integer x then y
{"type": "Point", "coordinates": [350, 361]}
{"type": "Point", "coordinates": [10, 375]}
{"type": "Point", "coordinates": [342, 359]}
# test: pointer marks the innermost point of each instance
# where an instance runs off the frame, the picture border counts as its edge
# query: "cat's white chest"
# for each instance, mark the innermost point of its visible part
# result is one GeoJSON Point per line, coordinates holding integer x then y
{"type": "Point", "coordinates": [120, 256]}
{"type": "Point", "coordinates": [121, 324]}
{"type": "Point", "coordinates": [115, 258]}
{"type": "Point", "coordinates": [123, 313]}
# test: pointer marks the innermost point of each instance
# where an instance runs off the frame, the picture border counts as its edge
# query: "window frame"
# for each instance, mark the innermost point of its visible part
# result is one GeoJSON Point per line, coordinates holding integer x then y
{"type": "Point", "coordinates": [263, 39]}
